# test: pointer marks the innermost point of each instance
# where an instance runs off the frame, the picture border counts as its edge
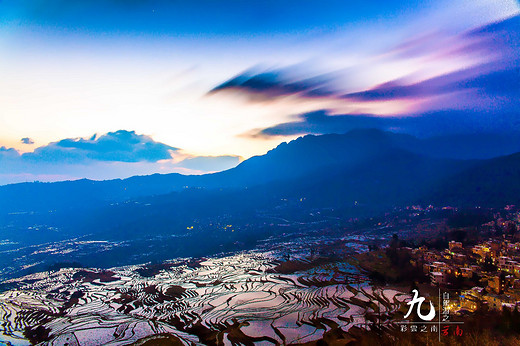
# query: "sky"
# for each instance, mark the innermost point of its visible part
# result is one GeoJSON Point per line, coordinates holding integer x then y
{"type": "Point", "coordinates": [110, 89]}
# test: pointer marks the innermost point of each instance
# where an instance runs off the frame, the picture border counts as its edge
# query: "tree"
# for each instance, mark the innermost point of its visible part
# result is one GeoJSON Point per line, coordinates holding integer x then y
{"type": "Point", "coordinates": [488, 265]}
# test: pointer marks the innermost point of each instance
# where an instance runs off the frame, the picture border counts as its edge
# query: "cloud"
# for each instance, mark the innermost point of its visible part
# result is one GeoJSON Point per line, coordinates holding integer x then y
{"type": "Point", "coordinates": [118, 154]}
{"type": "Point", "coordinates": [486, 81]}
{"type": "Point", "coordinates": [27, 140]}
{"type": "Point", "coordinates": [278, 83]}
{"type": "Point", "coordinates": [320, 122]}
{"type": "Point", "coordinates": [429, 124]}
{"type": "Point", "coordinates": [474, 88]}
{"type": "Point", "coordinates": [469, 79]}
{"type": "Point", "coordinates": [121, 146]}
{"type": "Point", "coordinates": [7, 154]}
{"type": "Point", "coordinates": [4, 150]}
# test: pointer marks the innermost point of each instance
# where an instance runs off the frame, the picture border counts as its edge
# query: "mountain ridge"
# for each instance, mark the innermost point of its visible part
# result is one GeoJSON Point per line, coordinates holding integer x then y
{"type": "Point", "coordinates": [287, 162]}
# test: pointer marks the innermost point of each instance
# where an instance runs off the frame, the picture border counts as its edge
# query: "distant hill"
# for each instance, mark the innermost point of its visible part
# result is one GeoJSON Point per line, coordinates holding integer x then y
{"type": "Point", "coordinates": [309, 154]}
{"type": "Point", "coordinates": [492, 183]}
{"type": "Point", "coordinates": [287, 161]}
{"type": "Point", "coordinates": [334, 167]}
{"type": "Point", "coordinates": [384, 179]}
{"type": "Point", "coordinates": [466, 146]}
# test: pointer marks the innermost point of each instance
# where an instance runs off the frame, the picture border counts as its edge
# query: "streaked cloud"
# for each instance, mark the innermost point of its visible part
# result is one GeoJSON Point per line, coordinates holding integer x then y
{"type": "Point", "coordinates": [264, 86]}
{"type": "Point", "coordinates": [481, 95]}
{"type": "Point", "coordinates": [436, 123]}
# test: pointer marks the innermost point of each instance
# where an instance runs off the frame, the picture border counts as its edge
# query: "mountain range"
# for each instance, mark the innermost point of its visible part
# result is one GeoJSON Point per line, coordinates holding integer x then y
{"type": "Point", "coordinates": [367, 166]}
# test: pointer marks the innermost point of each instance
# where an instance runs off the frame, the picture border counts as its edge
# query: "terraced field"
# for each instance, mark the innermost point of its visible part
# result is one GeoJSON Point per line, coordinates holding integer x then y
{"type": "Point", "coordinates": [245, 298]}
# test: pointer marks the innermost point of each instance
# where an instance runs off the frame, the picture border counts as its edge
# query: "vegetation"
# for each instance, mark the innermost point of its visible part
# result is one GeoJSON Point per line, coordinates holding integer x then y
{"type": "Point", "coordinates": [391, 265]}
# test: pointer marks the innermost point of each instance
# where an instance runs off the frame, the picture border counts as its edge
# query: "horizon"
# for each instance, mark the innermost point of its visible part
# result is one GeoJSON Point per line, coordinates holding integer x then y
{"type": "Point", "coordinates": [503, 152]}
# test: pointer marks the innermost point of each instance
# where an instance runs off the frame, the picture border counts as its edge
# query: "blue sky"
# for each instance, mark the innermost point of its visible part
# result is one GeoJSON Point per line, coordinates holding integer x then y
{"type": "Point", "coordinates": [207, 18]}
{"type": "Point", "coordinates": [213, 82]}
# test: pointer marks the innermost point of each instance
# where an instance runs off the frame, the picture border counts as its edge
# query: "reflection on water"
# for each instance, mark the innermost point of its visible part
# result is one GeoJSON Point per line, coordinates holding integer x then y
{"type": "Point", "coordinates": [247, 297]}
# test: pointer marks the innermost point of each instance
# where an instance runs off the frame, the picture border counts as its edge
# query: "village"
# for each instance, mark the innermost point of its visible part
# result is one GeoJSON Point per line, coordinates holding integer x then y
{"type": "Point", "coordinates": [486, 274]}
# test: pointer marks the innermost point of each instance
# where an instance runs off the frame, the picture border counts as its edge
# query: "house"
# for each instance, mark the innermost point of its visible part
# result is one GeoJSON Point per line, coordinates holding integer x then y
{"type": "Point", "coordinates": [510, 266]}
{"type": "Point", "coordinates": [469, 301]}
{"type": "Point", "coordinates": [496, 301]}
{"type": "Point", "coordinates": [466, 272]}
{"type": "Point", "coordinates": [438, 278]}
{"type": "Point", "coordinates": [454, 245]}
{"type": "Point", "coordinates": [499, 283]}
{"type": "Point", "coordinates": [481, 250]}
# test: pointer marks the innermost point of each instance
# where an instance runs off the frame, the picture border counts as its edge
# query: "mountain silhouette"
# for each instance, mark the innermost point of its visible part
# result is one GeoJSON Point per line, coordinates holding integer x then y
{"type": "Point", "coordinates": [367, 166]}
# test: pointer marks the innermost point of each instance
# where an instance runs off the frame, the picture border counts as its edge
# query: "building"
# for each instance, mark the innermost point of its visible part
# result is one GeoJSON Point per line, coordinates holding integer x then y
{"type": "Point", "coordinates": [508, 265]}
{"type": "Point", "coordinates": [466, 272]}
{"type": "Point", "coordinates": [454, 245]}
{"type": "Point", "coordinates": [496, 302]}
{"type": "Point", "coordinates": [438, 278]}
{"type": "Point", "coordinates": [471, 300]}
{"type": "Point", "coordinates": [481, 250]}
{"type": "Point", "coordinates": [500, 283]}
{"type": "Point", "coordinates": [496, 284]}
